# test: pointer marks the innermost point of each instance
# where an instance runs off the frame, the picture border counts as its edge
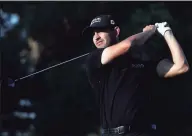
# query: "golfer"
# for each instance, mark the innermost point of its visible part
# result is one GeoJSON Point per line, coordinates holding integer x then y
{"type": "Point", "coordinates": [121, 81]}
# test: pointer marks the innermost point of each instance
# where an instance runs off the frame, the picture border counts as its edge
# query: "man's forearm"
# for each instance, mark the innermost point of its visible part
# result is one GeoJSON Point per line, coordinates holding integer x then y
{"type": "Point", "coordinates": [122, 47]}
{"type": "Point", "coordinates": [176, 51]}
{"type": "Point", "coordinates": [141, 38]}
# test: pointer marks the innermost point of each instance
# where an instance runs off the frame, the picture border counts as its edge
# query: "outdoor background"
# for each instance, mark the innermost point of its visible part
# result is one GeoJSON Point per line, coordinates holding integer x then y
{"type": "Point", "coordinates": [60, 102]}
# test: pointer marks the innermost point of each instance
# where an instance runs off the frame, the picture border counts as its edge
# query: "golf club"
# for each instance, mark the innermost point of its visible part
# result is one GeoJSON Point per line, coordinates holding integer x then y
{"type": "Point", "coordinates": [11, 82]}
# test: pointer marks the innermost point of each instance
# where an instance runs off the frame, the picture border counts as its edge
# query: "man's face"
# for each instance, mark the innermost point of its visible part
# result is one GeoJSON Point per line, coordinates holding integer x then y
{"type": "Point", "coordinates": [103, 37]}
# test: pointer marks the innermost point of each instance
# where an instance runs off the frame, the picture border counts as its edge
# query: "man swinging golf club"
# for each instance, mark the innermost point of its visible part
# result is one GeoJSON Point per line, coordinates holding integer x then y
{"type": "Point", "coordinates": [122, 81]}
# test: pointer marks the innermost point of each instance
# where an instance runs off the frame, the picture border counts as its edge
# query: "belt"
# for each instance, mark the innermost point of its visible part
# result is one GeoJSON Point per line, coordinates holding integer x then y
{"type": "Point", "coordinates": [117, 130]}
{"type": "Point", "coordinates": [126, 129]}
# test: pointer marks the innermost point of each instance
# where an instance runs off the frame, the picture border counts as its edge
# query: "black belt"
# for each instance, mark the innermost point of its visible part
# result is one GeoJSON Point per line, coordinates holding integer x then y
{"type": "Point", "coordinates": [117, 130]}
{"type": "Point", "coordinates": [126, 129]}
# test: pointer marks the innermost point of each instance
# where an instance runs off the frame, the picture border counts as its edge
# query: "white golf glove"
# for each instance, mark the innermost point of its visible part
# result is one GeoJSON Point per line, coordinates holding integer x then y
{"type": "Point", "coordinates": [162, 27]}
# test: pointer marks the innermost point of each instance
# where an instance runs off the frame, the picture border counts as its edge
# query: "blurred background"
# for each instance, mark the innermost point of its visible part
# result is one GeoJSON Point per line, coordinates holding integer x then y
{"type": "Point", "coordinates": [60, 102]}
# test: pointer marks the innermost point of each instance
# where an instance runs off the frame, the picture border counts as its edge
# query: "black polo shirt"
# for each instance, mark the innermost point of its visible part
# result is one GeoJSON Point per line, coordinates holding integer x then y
{"type": "Point", "coordinates": [123, 86]}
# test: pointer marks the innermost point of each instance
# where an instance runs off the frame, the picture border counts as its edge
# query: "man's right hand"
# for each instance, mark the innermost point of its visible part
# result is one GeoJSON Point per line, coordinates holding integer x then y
{"type": "Point", "coordinates": [150, 28]}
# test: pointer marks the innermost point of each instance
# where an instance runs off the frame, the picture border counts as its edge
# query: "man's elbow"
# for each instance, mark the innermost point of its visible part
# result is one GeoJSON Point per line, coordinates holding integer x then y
{"type": "Point", "coordinates": [176, 71]}
{"type": "Point", "coordinates": [115, 51]}
{"type": "Point", "coordinates": [184, 68]}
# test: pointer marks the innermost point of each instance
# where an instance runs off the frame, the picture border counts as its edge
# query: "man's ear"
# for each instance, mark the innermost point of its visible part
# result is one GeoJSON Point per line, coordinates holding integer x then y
{"type": "Point", "coordinates": [117, 30]}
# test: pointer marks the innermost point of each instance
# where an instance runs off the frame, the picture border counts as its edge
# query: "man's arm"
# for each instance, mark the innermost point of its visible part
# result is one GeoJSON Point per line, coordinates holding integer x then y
{"type": "Point", "coordinates": [167, 68]}
{"type": "Point", "coordinates": [122, 47]}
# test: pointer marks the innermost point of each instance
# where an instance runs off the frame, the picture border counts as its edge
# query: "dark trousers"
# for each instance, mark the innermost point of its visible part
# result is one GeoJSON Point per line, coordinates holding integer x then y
{"type": "Point", "coordinates": [135, 134]}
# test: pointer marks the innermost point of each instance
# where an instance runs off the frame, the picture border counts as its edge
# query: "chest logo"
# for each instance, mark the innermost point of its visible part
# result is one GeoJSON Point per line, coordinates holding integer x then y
{"type": "Point", "coordinates": [137, 65]}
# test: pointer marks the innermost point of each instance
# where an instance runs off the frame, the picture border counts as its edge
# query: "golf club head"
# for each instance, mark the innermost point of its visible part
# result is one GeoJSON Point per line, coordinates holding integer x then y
{"type": "Point", "coordinates": [11, 82]}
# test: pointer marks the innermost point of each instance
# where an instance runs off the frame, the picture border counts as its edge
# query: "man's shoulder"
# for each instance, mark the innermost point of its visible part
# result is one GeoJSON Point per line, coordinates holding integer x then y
{"type": "Point", "coordinates": [93, 60]}
{"type": "Point", "coordinates": [94, 54]}
{"type": "Point", "coordinates": [97, 51]}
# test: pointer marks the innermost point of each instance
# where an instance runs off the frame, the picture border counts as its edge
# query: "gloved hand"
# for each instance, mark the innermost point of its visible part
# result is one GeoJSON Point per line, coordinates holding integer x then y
{"type": "Point", "coordinates": [162, 27]}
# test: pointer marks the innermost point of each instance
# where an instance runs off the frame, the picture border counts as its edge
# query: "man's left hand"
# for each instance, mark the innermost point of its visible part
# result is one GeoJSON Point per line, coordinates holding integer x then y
{"type": "Point", "coordinates": [162, 28]}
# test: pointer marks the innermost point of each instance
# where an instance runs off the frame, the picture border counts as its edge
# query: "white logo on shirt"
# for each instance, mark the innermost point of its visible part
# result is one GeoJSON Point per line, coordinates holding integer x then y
{"type": "Point", "coordinates": [137, 65]}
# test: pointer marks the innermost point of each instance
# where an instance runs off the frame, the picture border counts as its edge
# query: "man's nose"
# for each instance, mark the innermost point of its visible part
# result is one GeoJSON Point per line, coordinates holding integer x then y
{"type": "Point", "coordinates": [97, 36]}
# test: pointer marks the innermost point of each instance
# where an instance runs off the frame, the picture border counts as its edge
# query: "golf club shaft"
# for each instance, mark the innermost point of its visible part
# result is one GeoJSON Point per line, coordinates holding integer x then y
{"type": "Point", "coordinates": [43, 70]}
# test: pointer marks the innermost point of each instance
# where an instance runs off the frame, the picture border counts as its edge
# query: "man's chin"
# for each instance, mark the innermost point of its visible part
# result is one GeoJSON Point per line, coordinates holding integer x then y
{"type": "Point", "coordinates": [101, 46]}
